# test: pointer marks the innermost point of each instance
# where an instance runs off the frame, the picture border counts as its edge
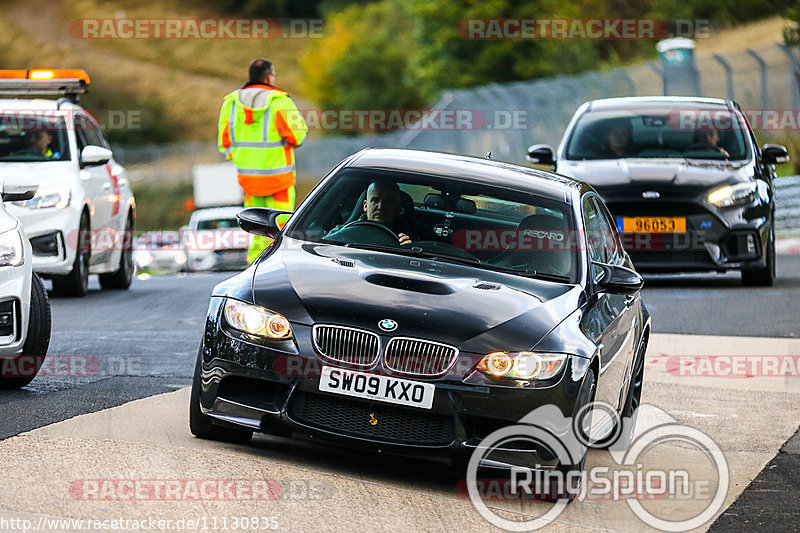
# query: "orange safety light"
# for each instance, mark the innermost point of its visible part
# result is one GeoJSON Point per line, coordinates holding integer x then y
{"type": "Point", "coordinates": [15, 74]}
{"type": "Point", "coordinates": [59, 73]}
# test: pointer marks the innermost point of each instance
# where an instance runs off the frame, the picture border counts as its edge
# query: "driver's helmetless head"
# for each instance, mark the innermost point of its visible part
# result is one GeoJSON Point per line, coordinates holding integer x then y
{"type": "Point", "coordinates": [382, 203]}
{"type": "Point", "coordinates": [40, 140]}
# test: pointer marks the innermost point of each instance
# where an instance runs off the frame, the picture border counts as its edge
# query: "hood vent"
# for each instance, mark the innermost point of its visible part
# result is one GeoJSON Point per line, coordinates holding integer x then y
{"type": "Point", "coordinates": [344, 262]}
{"type": "Point", "coordinates": [486, 286]}
{"type": "Point", "coordinates": [410, 284]}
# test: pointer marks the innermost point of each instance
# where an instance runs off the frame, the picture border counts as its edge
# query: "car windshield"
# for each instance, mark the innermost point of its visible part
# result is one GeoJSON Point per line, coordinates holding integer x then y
{"type": "Point", "coordinates": [712, 133]}
{"type": "Point", "coordinates": [444, 220]}
{"type": "Point", "coordinates": [28, 137]}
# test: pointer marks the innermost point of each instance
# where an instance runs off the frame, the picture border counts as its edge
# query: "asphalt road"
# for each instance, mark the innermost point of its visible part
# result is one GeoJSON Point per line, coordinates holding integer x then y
{"type": "Point", "coordinates": [144, 341]}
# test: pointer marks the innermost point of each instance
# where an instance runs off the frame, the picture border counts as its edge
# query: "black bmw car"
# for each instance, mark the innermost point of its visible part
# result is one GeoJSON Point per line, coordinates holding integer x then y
{"type": "Point", "coordinates": [415, 303]}
{"type": "Point", "coordinates": [685, 179]}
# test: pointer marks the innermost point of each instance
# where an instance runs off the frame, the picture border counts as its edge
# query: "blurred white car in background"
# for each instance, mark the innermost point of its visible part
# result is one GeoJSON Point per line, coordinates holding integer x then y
{"type": "Point", "coordinates": [158, 252]}
{"type": "Point", "coordinates": [24, 306]}
{"type": "Point", "coordinates": [214, 240]}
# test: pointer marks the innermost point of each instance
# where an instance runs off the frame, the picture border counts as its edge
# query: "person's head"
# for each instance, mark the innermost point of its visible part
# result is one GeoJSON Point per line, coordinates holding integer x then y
{"type": "Point", "coordinates": [619, 136]}
{"type": "Point", "coordinates": [708, 137]}
{"type": "Point", "coordinates": [39, 141]}
{"type": "Point", "coordinates": [382, 203]}
{"type": "Point", "coordinates": [262, 71]}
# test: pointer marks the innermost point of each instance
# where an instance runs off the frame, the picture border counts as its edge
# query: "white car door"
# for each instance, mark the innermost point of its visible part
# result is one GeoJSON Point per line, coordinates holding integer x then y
{"type": "Point", "coordinates": [98, 184]}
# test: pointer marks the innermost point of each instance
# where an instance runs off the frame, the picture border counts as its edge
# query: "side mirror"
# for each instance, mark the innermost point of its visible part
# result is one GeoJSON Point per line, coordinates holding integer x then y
{"type": "Point", "coordinates": [618, 279]}
{"type": "Point", "coordinates": [18, 189]}
{"type": "Point", "coordinates": [95, 155]}
{"type": "Point", "coordinates": [775, 154]}
{"type": "Point", "coordinates": [261, 221]}
{"type": "Point", "coordinates": [541, 154]}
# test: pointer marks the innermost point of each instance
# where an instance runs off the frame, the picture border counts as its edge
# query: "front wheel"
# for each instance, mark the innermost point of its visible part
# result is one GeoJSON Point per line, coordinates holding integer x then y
{"type": "Point", "coordinates": [76, 283]}
{"type": "Point", "coordinates": [123, 276]}
{"type": "Point", "coordinates": [37, 340]}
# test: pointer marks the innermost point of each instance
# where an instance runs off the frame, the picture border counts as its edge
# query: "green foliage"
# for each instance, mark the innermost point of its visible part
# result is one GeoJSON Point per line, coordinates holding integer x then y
{"type": "Point", "coordinates": [389, 54]}
{"type": "Point", "coordinates": [363, 62]}
{"type": "Point", "coordinates": [791, 34]}
{"type": "Point", "coordinates": [161, 205]}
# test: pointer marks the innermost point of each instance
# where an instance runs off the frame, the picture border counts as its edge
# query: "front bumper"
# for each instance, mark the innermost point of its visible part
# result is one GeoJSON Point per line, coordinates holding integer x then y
{"type": "Point", "coordinates": [274, 388]}
{"type": "Point", "coordinates": [715, 239]}
{"type": "Point", "coordinates": [54, 235]}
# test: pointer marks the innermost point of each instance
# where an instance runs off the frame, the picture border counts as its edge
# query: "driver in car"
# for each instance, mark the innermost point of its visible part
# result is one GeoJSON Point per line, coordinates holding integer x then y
{"type": "Point", "coordinates": [382, 205]}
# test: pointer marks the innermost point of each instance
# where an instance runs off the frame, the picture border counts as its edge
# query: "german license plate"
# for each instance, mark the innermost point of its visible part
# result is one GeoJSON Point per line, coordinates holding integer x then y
{"type": "Point", "coordinates": [379, 388]}
{"type": "Point", "coordinates": [651, 224]}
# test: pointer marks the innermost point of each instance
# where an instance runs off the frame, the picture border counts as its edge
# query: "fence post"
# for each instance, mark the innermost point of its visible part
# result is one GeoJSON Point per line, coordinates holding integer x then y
{"type": "Point", "coordinates": [793, 74]}
{"type": "Point", "coordinates": [728, 74]}
{"type": "Point", "coordinates": [762, 67]}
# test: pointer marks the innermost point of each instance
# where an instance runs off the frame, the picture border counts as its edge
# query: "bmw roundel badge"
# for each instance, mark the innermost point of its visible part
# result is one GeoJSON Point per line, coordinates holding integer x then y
{"type": "Point", "coordinates": [387, 324]}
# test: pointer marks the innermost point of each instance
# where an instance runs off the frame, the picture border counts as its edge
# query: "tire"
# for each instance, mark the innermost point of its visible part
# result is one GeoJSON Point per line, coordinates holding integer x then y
{"type": "Point", "coordinates": [203, 426]}
{"type": "Point", "coordinates": [632, 401]}
{"type": "Point", "coordinates": [38, 336]}
{"type": "Point", "coordinates": [76, 283]}
{"type": "Point", "coordinates": [575, 471]}
{"type": "Point", "coordinates": [763, 276]}
{"type": "Point", "coordinates": [121, 278]}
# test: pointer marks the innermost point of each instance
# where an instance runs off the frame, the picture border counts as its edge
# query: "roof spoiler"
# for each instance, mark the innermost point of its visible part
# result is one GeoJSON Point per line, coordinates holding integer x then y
{"type": "Point", "coordinates": [70, 83]}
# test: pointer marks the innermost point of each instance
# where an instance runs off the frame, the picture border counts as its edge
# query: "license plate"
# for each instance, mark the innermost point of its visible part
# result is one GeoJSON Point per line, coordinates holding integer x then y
{"type": "Point", "coordinates": [651, 224]}
{"type": "Point", "coordinates": [379, 388]}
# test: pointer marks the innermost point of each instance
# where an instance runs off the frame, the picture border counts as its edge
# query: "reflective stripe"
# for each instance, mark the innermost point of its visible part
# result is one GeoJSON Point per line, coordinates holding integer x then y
{"type": "Point", "coordinates": [254, 144]}
{"type": "Point", "coordinates": [266, 171]}
{"type": "Point", "coordinates": [251, 144]}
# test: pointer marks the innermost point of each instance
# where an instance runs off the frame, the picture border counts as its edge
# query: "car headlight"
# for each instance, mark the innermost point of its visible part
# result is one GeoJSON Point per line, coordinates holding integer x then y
{"type": "Point", "coordinates": [257, 320]}
{"type": "Point", "coordinates": [522, 365]}
{"type": "Point", "coordinates": [56, 196]}
{"type": "Point", "coordinates": [729, 195]}
{"type": "Point", "coordinates": [11, 249]}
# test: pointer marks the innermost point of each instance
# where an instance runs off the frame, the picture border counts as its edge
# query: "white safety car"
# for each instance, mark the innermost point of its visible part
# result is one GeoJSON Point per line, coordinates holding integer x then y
{"type": "Point", "coordinates": [81, 219]}
{"type": "Point", "coordinates": [24, 307]}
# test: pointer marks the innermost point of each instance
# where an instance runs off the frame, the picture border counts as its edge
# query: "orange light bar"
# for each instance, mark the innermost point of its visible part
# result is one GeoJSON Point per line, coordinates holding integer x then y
{"type": "Point", "coordinates": [58, 73]}
{"type": "Point", "coordinates": [16, 74]}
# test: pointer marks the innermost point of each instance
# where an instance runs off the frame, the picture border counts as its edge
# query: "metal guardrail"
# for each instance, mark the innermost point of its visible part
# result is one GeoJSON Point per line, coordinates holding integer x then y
{"type": "Point", "coordinates": [787, 205]}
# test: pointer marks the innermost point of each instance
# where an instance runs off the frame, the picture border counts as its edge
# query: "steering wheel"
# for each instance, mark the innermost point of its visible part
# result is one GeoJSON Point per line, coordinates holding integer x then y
{"type": "Point", "coordinates": [709, 148]}
{"type": "Point", "coordinates": [367, 231]}
{"type": "Point", "coordinates": [376, 225]}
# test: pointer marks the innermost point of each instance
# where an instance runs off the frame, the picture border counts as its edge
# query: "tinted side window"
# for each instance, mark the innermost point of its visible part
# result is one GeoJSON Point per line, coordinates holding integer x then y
{"type": "Point", "coordinates": [616, 255]}
{"type": "Point", "coordinates": [593, 222]}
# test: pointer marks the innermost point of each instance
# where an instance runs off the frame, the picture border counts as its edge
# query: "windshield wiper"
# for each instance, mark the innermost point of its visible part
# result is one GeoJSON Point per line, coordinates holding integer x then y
{"type": "Point", "coordinates": [530, 273]}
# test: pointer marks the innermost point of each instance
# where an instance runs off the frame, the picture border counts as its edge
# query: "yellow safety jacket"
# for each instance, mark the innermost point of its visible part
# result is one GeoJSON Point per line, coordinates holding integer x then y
{"type": "Point", "coordinates": [259, 128]}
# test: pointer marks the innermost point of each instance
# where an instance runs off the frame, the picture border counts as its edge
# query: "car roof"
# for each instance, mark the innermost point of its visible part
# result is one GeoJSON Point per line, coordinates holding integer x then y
{"type": "Point", "coordinates": [472, 169]}
{"type": "Point", "coordinates": [38, 103]}
{"type": "Point", "coordinates": [645, 102]}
